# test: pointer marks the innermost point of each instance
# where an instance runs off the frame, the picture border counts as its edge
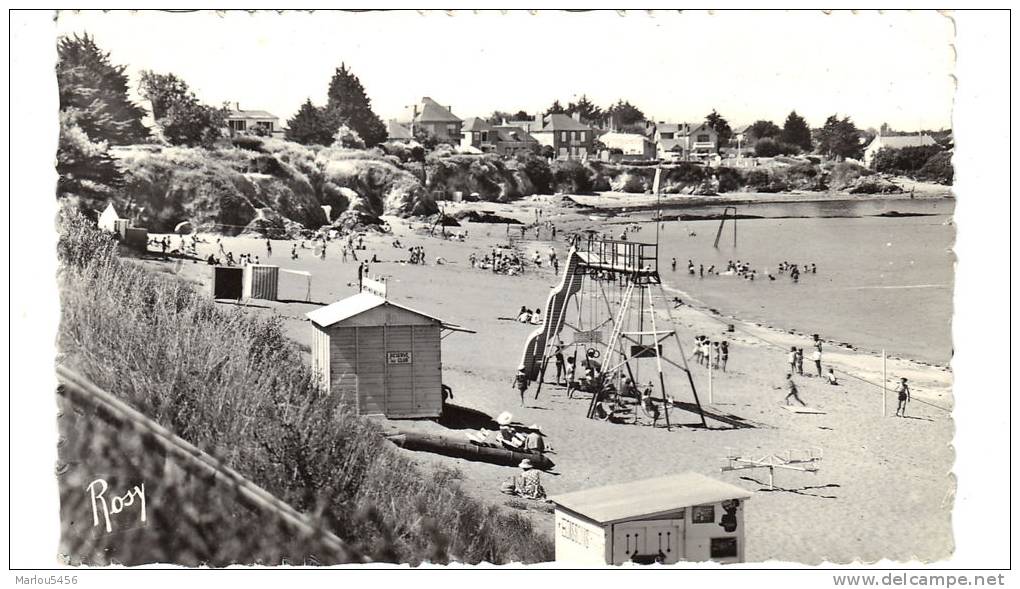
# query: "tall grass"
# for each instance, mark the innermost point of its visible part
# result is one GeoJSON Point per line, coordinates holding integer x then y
{"type": "Point", "coordinates": [233, 384]}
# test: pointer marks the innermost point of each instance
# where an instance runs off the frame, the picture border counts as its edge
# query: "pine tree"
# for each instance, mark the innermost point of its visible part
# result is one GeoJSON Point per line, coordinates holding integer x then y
{"type": "Point", "coordinates": [587, 110]}
{"type": "Point", "coordinates": [181, 117]}
{"type": "Point", "coordinates": [720, 126]}
{"type": "Point", "coordinates": [762, 129]}
{"type": "Point", "coordinates": [796, 131]}
{"type": "Point", "coordinates": [86, 171]}
{"type": "Point", "coordinates": [97, 91]}
{"type": "Point", "coordinates": [840, 138]}
{"type": "Point", "coordinates": [348, 104]}
{"type": "Point", "coordinates": [310, 126]}
{"type": "Point", "coordinates": [624, 114]}
{"type": "Point", "coordinates": [556, 109]}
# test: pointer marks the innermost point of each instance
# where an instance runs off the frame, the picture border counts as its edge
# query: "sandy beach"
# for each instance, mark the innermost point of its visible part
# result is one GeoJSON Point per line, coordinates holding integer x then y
{"type": "Point", "coordinates": [884, 490]}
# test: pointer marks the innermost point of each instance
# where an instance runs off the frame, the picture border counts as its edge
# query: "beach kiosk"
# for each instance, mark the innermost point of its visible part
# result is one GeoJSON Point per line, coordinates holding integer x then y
{"type": "Point", "coordinates": [380, 357]}
{"type": "Point", "coordinates": [261, 281]}
{"type": "Point", "coordinates": [681, 517]}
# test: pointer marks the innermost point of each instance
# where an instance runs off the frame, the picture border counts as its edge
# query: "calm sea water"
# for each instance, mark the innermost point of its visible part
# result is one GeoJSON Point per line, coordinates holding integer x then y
{"type": "Point", "coordinates": [882, 282]}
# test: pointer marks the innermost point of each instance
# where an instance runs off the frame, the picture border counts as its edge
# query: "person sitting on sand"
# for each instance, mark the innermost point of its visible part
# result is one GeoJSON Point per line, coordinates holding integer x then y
{"type": "Point", "coordinates": [536, 317]}
{"type": "Point", "coordinates": [529, 483]}
{"type": "Point", "coordinates": [648, 404]}
{"type": "Point", "coordinates": [535, 442]}
{"type": "Point", "coordinates": [791, 387]}
{"type": "Point", "coordinates": [524, 316]}
{"type": "Point", "coordinates": [830, 377]}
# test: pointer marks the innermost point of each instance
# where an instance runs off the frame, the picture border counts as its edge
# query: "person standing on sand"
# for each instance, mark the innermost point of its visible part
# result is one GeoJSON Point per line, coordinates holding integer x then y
{"type": "Point", "coordinates": [791, 359]}
{"type": "Point", "coordinates": [560, 366]}
{"type": "Point", "coordinates": [724, 354]}
{"type": "Point", "coordinates": [800, 361]}
{"type": "Point", "coordinates": [674, 264]}
{"type": "Point", "coordinates": [816, 357]}
{"type": "Point", "coordinates": [791, 388]}
{"type": "Point", "coordinates": [269, 249]}
{"type": "Point", "coordinates": [521, 383]}
{"type": "Point", "coordinates": [903, 397]}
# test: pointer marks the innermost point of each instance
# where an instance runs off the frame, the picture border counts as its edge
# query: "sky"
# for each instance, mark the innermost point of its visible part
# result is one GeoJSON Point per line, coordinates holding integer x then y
{"type": "Point", "coordinates": [895, 67]}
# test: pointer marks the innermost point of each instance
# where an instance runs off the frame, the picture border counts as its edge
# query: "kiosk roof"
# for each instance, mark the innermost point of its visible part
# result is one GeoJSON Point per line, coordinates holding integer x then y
{"type": "Point", "coordinates": [649, 497]}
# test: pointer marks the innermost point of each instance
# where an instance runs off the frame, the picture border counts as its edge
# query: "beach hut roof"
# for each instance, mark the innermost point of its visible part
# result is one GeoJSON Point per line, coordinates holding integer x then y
{"type": "Point", "coordinates": [354, 305]}
{"type": "Point", "coordinates": [648, 498]}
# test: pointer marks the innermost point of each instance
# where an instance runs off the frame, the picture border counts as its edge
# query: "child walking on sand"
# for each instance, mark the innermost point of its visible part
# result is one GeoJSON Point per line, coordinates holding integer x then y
{"type": "Point", "coordinates": [521, 383]}
{"type": "Point", "coordinates": [791, 388]}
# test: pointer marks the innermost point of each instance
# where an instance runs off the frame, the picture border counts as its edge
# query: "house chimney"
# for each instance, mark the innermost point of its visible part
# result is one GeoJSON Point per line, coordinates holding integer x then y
{"type": "Point", "coordinates": [577, 117]}
{"type": "Point", "coordinates": [237, 106]}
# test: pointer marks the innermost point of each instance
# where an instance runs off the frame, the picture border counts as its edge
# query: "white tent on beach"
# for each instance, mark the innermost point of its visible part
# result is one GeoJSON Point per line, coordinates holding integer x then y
{"type": "Point", "coordinates": [108, 218]}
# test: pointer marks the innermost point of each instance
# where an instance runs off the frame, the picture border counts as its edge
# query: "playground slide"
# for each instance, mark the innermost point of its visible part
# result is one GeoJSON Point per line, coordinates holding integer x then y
{"type": "Point", "coordinates": [555, 312]}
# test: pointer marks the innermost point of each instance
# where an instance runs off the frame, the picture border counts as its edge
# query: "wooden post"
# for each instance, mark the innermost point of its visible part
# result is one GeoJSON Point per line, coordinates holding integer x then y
{"type": "Point", "coordinates": [885, 405]}
{"type": "Point", "coordinates": [711, 396]}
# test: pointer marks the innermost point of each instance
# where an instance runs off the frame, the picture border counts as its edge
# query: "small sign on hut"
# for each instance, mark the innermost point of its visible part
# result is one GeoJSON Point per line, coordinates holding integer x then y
{"type": "Point", "coordinates": [682, 517]}
{"type": "Point", "coordinates": [380, 357]}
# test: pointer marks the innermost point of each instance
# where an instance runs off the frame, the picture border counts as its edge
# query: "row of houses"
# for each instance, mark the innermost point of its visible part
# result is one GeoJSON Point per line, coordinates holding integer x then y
{"type": "Point", "coordinates": [567, 136]}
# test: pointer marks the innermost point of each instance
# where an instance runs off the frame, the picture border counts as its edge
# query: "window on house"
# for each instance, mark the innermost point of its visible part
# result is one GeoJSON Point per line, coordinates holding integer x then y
{"type": "Point", "coordinates": [451, 129]}
{"type": "Point", "coordinates": [666, 135]}
{"type": "Point", "coordinates": [703, 514]}
{"type": "Point", "coordinates": [722, 548]}
{"type": "Point", "coordinates": [237, 125]}
{"type": "Point", "coordinates": [485, 135]}
{"type": "Point", "coordinates": [703, 139]}
{"type": "Point", "coordinates": [582, 135]}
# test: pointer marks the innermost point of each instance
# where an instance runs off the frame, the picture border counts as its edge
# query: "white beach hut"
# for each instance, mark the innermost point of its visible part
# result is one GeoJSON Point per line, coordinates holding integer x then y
{"type": "Point", "coordinates": [108, 219]}
{"type": "Point", "coordinates": [681, 517]}
{"type": "Point", "coordinates": [381, 357]}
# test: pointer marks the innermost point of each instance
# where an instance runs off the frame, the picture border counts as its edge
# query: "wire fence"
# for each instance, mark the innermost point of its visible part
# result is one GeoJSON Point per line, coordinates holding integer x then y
{"type": "Point", "coordinates": [781, 347]}
{"type": "Point", "coordinates": [132, 493]}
